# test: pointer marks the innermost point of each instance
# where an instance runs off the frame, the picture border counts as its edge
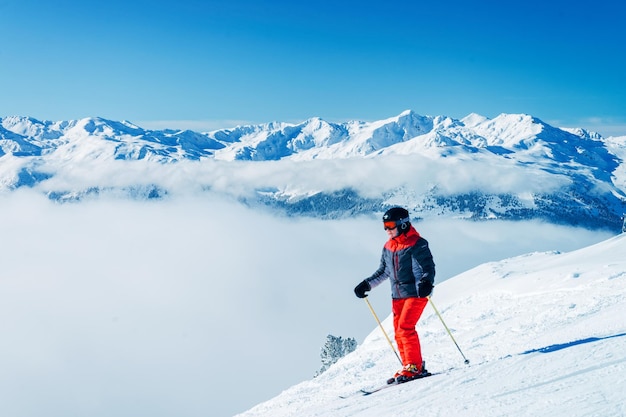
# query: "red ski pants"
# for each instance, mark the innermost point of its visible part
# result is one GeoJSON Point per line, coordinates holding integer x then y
{"type": "Point", "coordinates": [406, 312]}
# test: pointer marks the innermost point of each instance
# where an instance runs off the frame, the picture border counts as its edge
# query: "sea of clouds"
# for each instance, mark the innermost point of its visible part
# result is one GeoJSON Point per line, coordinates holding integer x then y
{"type": "Point", "coordinates": [197, 305]}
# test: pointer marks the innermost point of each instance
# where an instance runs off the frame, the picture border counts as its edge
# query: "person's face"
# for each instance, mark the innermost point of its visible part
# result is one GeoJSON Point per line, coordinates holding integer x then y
{"type": "Point", "coordinates": [391, 228]}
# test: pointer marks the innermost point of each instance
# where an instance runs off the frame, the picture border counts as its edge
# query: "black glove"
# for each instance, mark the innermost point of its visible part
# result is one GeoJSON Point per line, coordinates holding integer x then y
{"type": "Point", "coordinates": [362, 288]}
{"type": "Point", "coordinates": [424, 288]}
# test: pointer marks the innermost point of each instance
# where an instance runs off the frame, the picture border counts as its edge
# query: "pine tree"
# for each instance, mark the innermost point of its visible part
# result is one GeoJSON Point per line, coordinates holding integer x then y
{"type": "Point", "coordinates": [334, 349]}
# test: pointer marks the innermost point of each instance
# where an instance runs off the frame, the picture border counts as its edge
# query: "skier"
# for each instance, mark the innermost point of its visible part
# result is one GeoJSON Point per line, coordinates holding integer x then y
{"type": "Point", "coordinates": [408, 263]}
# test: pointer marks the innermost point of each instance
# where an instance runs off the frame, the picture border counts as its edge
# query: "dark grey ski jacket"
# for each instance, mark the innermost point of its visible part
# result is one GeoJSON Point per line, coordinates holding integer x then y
{"type": "Point", "coordinates": [406, 259]}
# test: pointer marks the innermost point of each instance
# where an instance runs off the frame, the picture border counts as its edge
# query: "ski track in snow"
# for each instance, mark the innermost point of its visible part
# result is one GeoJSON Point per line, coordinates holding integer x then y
{"type": "Point", "coordinates": [545, 334]}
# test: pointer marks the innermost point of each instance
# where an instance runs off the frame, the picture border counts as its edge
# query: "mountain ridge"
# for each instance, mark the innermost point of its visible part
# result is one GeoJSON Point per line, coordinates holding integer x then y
{"type": "Point", "coordinates": [573, 176]}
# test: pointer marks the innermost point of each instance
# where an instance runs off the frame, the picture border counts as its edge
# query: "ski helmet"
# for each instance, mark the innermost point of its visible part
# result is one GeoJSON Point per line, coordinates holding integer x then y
{"type": "Point", "coordinates": [399, 216]}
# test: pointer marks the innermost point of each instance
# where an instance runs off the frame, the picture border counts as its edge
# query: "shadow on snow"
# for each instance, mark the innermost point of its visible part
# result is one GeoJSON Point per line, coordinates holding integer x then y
{"type": "Point", "coordinates": [559, 346]}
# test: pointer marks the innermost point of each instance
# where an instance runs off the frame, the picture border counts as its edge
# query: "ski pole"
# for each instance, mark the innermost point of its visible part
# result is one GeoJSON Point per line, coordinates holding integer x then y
{"type": "Point", "coordinates": [444, 325]}
{"type": "Point", "coordinates": [381, 328]}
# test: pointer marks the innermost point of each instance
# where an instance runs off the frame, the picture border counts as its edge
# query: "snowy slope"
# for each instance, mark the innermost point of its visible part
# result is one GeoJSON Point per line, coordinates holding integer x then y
{"type": "Point", "coordinates": [545, 334]}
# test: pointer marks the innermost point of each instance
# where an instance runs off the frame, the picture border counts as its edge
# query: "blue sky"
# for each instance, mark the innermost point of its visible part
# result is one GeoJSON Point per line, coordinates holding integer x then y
{"type": "Point", "coordinates": [215, 64]}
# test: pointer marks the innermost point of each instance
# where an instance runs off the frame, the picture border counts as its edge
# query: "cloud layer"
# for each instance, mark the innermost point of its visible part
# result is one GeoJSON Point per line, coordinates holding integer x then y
{"type": "Point", "coordinates": [195, 306]}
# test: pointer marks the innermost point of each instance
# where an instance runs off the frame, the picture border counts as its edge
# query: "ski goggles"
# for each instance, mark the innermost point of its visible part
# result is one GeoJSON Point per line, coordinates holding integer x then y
{"type": "Point", "coordinates": [390, 225]}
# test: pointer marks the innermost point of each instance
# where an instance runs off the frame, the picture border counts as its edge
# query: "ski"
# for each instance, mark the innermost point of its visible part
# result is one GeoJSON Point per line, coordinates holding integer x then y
{"type": "Point", "coordinates": [371, 391]}
{"type": "Point", "coordinates": [393, 384]}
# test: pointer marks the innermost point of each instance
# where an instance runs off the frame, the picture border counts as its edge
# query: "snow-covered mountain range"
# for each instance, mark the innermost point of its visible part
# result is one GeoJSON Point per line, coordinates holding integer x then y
{"type": "Point", "coordinates": [513, 166]}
